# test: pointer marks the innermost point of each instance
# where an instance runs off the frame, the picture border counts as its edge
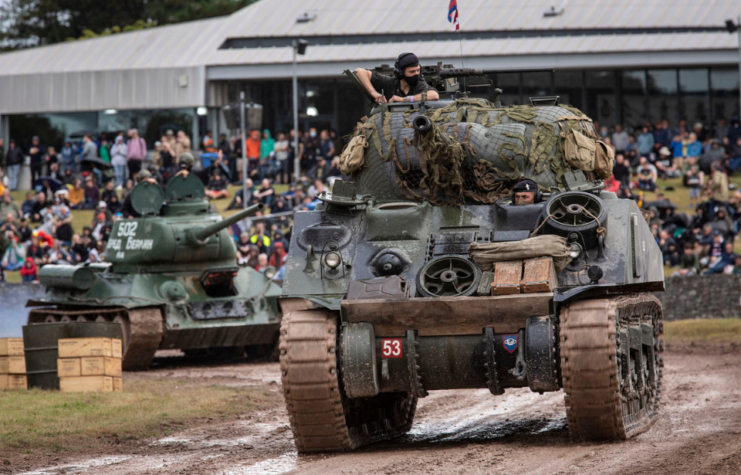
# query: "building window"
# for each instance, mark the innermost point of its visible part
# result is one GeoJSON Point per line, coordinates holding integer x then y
{"type": "Point", "coordinates": [509, 83]}
{"type": "Point", "coordinates": [569, 88]}
{"type": "Point", "coordinates": [536, 84]}
{"type": "Point", "coordinates": [724, 97]}
{"type": "Point", "coordinates": [694, 89]}
{"type": "Point", "coordinates": [601, 100]}
{"type": "Point", "coordinates": [633, 98]}
{"type": "Point", "coordinates": [663, 103]}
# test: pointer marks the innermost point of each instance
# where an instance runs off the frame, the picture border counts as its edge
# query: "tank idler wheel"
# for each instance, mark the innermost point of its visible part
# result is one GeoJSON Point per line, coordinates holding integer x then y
{"type": "Point", "coordinates": [322, 418]}
{"type": "Point", "coordinates": [610, 365]}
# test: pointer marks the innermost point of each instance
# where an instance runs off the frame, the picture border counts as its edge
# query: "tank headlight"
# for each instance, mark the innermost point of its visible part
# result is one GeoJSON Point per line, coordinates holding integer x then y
{"type": "Point", "coordinates": [269, 272]}
{"type": "Point", "coordinates": [575, 251]}
{"type": "Point", "coordinates": [332, 259]}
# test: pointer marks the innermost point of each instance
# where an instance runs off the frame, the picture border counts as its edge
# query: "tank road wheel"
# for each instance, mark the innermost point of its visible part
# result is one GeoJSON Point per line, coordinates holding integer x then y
{"type": "Point", "coordinates": [611, 366]}
{"type": "Point", "coordinates": [322, 418]}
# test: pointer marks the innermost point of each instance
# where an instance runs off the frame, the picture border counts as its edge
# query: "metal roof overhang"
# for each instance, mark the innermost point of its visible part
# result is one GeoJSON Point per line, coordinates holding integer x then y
{"type": "Point", "coordinates": [618, 60]}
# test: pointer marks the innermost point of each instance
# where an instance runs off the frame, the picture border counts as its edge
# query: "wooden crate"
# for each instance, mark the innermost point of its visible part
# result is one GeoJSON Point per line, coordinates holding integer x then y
{"type": "Point", "coordinates": [79, 347]}
{"type": "Point", "coordinates": [86, 384]}
{"type": "Point", "coordinates": [100, 366]}
{"type": "Point", "coordinates": [117, 384]}
{"type": "Point", "coordinates": [116, 348]}
{"type": "Point", "coordinates": [11, 347]}
{"type": "Point", "coordinates": [507, 276]}
{"type": "Point", "coordinates": [12, 365]}
{"type": "Point", "coordinates": [13, 381]}
{"type": "Point", "coordinates": [69, 367]}
{"type": "Point", "coordinates": [539, 275]}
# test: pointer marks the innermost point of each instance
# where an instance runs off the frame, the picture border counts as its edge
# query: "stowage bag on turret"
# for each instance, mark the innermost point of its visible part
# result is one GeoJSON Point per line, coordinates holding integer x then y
{"type": "Point", "coordinates": [476, 152]}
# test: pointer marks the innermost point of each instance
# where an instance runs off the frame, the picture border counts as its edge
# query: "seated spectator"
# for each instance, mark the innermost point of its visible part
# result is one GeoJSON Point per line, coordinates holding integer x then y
{"type": "Point", "coordinates": [78, 251]}
{"type": "Point", "coordinates": [694, 179]}
{"type": "Point", "coordinates": [28, 271]}
{"type": "Point", "coordinates": [259, 238]}
{"type": "Point", "coordinates": [217, 186]}
{"type": "Point", "coordinates": [39, 207]}
{"type": "Point", "coordinates": [8, 206]}
{"type": "Point", "coordinates": [15, 253]}
{"type": "Point", "coordinates": [102, 208]}
{"type": "Point", "coordinates": [276, 259]}
{"type": "Point", "coordinates": [58, 255]}
{"type": "Point", "coordinates": [736, 270]}
{"type": "Point", "coordinates": [101, 227]}
{"type": "Point", "coordinates": [243, 249]}
{"type": "Point", "coordinates": [665, 164]}
{"type": "Point", "coordinates": [734, 151]}
{"type": "Point", "coordinates": [715, 154]}
{"type": "Point", "coordinates": [647, 175]}
{"type": "Point", "coordinates": [237, 201]}
{"type": "Point", "coordinates": [109, 192]}
{"type": "Point", "coordinates": [76, 195]}
{"type": "Point", "coordinates": [68, 178]}
{"type": "Point", "coordinates": [127, 189]}
{"type": "Point", "coordinates": [27, 206]}
{"type": "Point", "coordinates": [36, 251]}
{"type": "Point", "coordinates": [266, 193]}
{"type": "Point", "coordinates": [92, 193]}
{"type": "Point", "coordinates": [719, 264]}
{"type": "Point", "coordinates": [262, 263]}
{"type": "Point", "coordinates": [24, 229]}
{"type": "Point", "coordinates": [718, 183]}
{"type": "Point", "coordinates": [114, 205]}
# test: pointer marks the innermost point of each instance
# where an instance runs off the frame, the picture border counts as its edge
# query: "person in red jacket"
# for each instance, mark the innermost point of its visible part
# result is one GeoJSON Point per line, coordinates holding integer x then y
{"type": "Point", "coordinates": [28, 271]}
{"type": "Point", "coordinates": [276, 259]}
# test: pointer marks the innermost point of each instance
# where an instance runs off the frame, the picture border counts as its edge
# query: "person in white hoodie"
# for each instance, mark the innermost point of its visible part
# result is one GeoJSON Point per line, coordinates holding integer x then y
{"type": "Point", "coordinates": [118, 160]}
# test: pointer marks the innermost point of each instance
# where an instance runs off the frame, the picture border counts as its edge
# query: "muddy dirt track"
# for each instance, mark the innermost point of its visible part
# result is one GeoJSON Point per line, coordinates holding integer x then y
{"type": "Point", "coordinates": [698, 432]}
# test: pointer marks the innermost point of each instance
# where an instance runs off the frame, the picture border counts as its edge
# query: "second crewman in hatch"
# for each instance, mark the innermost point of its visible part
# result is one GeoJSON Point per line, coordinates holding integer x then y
{"type": "Point", "coordinates": [407, 85]}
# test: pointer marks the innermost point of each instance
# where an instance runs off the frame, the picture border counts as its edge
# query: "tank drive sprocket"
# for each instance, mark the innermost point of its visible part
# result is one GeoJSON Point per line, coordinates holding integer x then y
{"type": "Point", "coordinates": [322, 418]}
{"type": "Point", "coordinates": [611, 365]}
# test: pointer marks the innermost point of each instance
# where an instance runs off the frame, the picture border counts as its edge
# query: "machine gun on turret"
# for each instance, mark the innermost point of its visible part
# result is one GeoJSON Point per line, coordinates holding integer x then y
{"type": "Point", "coordinates": [443, 77]}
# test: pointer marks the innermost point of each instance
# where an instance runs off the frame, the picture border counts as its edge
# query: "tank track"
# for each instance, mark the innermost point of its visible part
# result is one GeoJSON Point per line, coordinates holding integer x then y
{"type": "Point", "coordinates": [606, 399]}
{"type": "Point", "coordinates": [322, 418]}
{"type": "Point", "coordinates": [142, 329]}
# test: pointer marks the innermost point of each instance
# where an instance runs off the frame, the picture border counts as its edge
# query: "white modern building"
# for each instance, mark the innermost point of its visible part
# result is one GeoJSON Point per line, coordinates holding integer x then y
{"type": "Point", "coordinates": [622, 62]}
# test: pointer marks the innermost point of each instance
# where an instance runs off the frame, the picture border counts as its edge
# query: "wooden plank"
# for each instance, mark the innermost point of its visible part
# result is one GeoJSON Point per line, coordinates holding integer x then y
{"type": "Point", "coordinates": [507, 276]}
{"type": "Point", "coordinates": [12, 365]}
{"type": "Point", "coordinates": [485, 284]}
{"type": "Point", "coordinates": [13, 381]}
{"type": "Point", "coordinates": [86, 384]}
{"type": "Point", "coordinates": [117, 384]}
{"type": "Point", "coordinates": [11, 346]}
{"type": "Point", "coordinates": [539, 275]}
{"type": "Point", "coordinates": [79, 347]}
{"type": "Point", "coordinates": [68, 367]}
{"type": "Point", "coordinates": [447, 315]}
{"type": "Point", "coordinates": [100, 366]}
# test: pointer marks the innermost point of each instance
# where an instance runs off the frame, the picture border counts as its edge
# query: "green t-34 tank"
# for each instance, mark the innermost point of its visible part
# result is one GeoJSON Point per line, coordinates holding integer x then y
{"type": "Point", "coordinates": [474, 247]}
{"type": "Point", "coordinates": [170, 278]}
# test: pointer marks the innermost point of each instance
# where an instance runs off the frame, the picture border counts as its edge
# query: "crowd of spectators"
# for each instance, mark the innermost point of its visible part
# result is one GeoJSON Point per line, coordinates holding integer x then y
{"type": "Point", "coordinates": [98, 174]}
{"type": "Point", "coordinates": [703, 158]}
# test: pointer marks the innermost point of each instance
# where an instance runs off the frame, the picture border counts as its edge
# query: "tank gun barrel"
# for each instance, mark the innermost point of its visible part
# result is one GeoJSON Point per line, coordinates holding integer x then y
{"type": "Point", "coordinates": [199, 235]}
{"type": "Point", "coordinates": [472, 72]}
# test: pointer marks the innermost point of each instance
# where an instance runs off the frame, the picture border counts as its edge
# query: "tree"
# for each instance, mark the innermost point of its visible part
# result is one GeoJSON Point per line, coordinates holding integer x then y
{"type": "Point", "coordinates": [28, 23]}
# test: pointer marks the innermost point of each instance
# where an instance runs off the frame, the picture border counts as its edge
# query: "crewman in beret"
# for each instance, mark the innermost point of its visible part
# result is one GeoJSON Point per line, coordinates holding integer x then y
{"type": "Point", "coordinates": [523, 193]}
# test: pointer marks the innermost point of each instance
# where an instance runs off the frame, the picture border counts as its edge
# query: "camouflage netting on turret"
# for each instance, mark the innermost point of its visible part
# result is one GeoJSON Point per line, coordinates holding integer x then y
{"type": "Point", "coordinates": [476, 152]}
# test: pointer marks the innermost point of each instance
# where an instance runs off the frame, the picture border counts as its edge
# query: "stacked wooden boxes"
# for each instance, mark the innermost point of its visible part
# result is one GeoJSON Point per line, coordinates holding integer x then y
{"type": "Point", "coordinates": [515, 277]}
{"type": "Point", "coordinates": [89, 365]}
{"type": "Point", "coordinates": [12, 364]}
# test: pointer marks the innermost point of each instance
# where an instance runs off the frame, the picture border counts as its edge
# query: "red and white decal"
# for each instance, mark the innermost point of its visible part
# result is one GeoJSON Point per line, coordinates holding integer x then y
{"type": "Point", "coordinates": [390, 348]}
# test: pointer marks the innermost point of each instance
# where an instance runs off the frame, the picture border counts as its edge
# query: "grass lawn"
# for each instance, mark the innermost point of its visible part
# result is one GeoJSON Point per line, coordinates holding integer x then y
{"type": "Point", "coordinates": [38, 421]}
{"type": "Point", "coordinates": [721, 330]}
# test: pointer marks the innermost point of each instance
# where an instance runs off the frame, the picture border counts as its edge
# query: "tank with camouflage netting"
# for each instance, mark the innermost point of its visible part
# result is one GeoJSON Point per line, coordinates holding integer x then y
{"type": "Point", "coordinates": [423, 273]}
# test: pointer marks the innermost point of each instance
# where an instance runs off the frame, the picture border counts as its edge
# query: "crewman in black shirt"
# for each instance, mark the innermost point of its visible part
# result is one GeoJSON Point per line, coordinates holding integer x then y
{"type": "Point", "coordinates": [407, 85]}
